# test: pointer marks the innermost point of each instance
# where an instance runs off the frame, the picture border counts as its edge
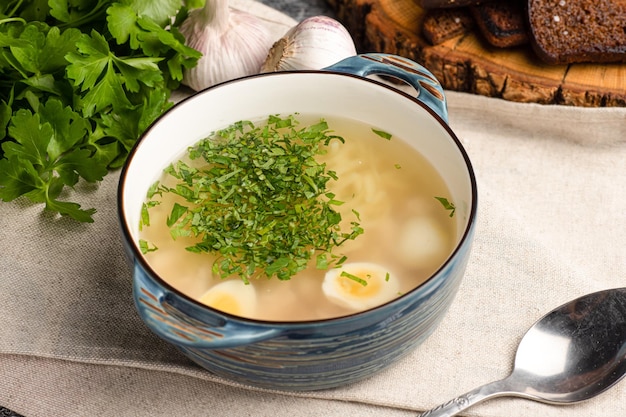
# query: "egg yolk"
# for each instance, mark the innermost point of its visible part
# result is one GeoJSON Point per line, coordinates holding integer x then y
{"type": "Point", "coordinates": [357, 289]}
{"type": "Point", "coordinates": [223, 302]}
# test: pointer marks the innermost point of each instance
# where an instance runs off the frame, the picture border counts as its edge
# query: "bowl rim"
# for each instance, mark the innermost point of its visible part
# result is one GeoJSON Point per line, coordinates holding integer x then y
{"type": "Point", "coordinates": [137, 256]}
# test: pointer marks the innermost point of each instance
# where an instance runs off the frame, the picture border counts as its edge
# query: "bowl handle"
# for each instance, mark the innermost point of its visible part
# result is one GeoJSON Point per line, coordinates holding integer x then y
{"type": "Point", "coordinates": [189, 325]}
{"type": "Point", "coordinates": [429, 90]}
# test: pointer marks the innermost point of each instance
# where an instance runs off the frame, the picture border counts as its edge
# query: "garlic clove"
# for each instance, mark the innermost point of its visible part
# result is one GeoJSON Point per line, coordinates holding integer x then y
{"type": "Point", "coordinates": [233, 44]}
{"type": "Point", "coordinates": [314, 43]}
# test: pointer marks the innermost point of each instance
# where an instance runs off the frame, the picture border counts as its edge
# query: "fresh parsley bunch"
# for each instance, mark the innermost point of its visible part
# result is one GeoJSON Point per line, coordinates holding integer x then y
{"type": "Point", "coordinates": [80, 80]}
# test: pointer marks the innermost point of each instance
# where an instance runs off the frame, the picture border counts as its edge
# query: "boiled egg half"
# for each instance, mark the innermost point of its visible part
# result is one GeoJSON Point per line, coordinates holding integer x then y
{"type": "Point", "coordinates": [358, 286]}
{"type": "Point", "coordinates": [232, 296]}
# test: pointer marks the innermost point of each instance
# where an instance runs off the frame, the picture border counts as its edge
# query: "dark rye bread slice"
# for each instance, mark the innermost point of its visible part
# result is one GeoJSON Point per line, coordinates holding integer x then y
{"type": "Point", "coordinates": [436, 4]}
{"type": "Point", "coordinates": [569, 31]}
{"type": "Point", "coordinates": [502, 24]}
{"type": "Point", "coordinates": [442, 24]}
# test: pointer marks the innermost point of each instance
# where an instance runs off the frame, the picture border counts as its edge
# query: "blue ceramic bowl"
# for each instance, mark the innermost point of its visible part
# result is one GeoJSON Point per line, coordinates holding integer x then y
{"type": "Point", "coordinates": [316, 354]}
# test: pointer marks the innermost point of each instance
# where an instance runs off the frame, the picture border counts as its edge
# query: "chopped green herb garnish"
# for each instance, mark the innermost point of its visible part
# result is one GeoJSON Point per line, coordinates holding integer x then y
{"type": "Point", "coordinates": [354, 278]}
{"type": "Point", "coordinates": [260, 200]}
{"type": "Point", "coordinates": [145, 216]}
{"type": "Point", "coordinates": [146, 247]}
{"type": "Point", "coordinates": [447, 205]}
{"type": "Point", "coordinates": [382, 134]}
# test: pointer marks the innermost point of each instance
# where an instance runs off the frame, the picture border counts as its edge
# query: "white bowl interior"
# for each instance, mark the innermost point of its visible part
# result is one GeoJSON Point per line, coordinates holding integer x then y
{"type": "Point", "coordinates": [313, 93]}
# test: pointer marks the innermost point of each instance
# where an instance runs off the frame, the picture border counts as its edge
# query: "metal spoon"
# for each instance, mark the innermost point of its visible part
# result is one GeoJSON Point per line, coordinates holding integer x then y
{"type": "Point", "coordinates": [572, 354]}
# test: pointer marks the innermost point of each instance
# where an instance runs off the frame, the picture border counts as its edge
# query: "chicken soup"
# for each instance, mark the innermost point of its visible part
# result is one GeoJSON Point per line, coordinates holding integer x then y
{"type": "Point", "coordinates": [298, 218]}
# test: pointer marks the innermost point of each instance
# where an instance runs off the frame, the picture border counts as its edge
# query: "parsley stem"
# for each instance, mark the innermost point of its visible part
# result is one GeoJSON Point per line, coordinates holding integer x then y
{"type": "Point", "coordinates": [12, 19]}
{"type": "Point", "coordinates": [16, 8]}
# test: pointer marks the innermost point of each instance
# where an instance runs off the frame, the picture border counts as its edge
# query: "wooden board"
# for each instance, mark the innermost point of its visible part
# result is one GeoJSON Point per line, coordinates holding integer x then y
{"type": "Point", "coordinates": [468, 64]}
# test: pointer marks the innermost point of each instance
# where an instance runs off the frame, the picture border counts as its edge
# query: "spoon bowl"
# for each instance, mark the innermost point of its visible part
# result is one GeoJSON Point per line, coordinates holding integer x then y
{"type": "Point", "coordinates": [571, 354]}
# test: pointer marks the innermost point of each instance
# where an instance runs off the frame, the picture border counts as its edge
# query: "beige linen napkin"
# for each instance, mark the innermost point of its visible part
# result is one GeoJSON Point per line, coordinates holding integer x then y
{"type": "Point", "coordinates": [551, 226]}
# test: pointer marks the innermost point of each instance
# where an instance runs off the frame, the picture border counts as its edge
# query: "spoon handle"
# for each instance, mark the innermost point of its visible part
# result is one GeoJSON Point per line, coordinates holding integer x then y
{"type": "Point", "coordinates": [465, 401]}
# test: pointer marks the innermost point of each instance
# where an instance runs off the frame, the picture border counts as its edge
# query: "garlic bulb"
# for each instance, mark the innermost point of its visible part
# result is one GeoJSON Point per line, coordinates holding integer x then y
{"type": "Point", "coordinates": [313, 44]}
{"type": "Point", "coordinates": [233, 43]}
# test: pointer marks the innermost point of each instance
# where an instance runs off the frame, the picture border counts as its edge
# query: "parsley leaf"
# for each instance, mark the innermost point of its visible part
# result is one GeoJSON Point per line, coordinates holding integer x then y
{"type": "Point", "coordinates": [447, 205]}
{"type": "Point", "coordinates": [158, 11]}
{"type": "Point", "coordinates": [31, 138]}
{"type": "Point", "coordinates": [43, 157]}
{"type": "Point", "coordinates": [122, 23]}
{"type": "Point", "coordinates": [382, 134]}
{"type": "Point", "coordinates": [92, 58]}
{"type": "Point", "coordinates": [18, 178]}
{"type": "Point", "coordinates": [42, 52]}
